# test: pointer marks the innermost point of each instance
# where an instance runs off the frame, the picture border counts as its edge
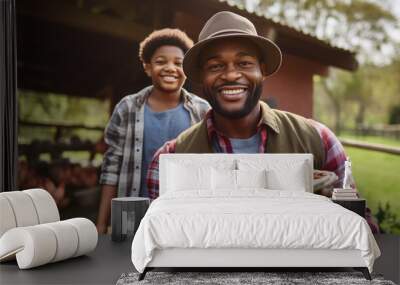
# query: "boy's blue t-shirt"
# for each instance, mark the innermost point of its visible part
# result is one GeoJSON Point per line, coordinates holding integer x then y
{"type": "Point", "coordinates": [160, 127]}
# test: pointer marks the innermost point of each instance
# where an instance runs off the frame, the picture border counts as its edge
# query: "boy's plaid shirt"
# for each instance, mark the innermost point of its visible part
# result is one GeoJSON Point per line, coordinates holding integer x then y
{"type": "Point", "coordinates": [334, 151]}
{"type": "Point", "coordinates": [122, 162]}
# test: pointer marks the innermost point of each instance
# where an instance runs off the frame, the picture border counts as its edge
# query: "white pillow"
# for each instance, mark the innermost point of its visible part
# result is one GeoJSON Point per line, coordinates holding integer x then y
{"type": "Point", "coordinates": [224, 179]}
{"type": "Point", "coordinates": [188, 177]}
{"type": "Point", "coordinates": [7, 217]}
{"type": "Point", "coordinates": [23, 208]}
{"type": "Point", "coordinates": [294, 178]}
{"type": "Point", "coordinates": [45, 205]}
{"type": "Point", "coordinates": [40, 244]}
{"type": "Point", "coordinates": [251, 178]}
{"type": "Point", "coordinates": [26, 208]}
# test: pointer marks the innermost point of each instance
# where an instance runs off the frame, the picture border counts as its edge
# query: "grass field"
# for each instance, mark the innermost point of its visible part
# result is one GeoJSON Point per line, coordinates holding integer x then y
{"type": "Point", "coordinates": [377, 177]}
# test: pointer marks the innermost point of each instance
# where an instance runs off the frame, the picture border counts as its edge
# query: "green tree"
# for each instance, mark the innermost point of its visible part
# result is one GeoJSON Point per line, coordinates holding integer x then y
{"type": "Point", "coordinates": [357, 99]}
{"type": "Point", "coordinates": [359, 90]}
{"type": "Point", "coordinates": [336, 94]}
{"type": "Point", "coordinates": [344, 89]}
{"type": "Point", "coordinates": [394, 115]}
{"type": "Point", "coordinates": [364, 26]}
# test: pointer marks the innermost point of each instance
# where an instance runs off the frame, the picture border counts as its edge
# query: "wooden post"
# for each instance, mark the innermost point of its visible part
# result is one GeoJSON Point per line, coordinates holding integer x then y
{"type": "Point", "coordinates": [8, 97]}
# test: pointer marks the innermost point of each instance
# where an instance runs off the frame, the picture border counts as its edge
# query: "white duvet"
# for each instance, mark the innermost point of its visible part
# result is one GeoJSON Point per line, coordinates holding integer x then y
{"type": "Point", "coordinates": [253, 218]}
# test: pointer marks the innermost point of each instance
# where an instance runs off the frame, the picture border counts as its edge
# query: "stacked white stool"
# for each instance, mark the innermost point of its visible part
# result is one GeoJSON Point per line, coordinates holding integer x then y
{"type": "Point", "coordinates": [31, 230]}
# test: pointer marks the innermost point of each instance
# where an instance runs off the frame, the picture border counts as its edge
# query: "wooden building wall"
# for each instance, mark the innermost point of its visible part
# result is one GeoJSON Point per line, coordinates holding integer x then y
{"type": "Point", "coordinates": [291, 88]}
{"type": "Point", "coordinates": [65, 48]}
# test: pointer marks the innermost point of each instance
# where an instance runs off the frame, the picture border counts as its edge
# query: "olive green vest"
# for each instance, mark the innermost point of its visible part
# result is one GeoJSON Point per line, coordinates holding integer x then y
{"type": "Point", "coordinates": [287, 133]}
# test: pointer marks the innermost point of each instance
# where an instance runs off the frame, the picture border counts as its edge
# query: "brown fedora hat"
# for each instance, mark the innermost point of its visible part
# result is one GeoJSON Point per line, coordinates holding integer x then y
{"type": "Point", "coordinates": [230, 25]}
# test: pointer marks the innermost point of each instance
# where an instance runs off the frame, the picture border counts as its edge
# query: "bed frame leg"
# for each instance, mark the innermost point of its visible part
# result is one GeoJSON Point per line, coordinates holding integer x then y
{"type": "Point", "coordinates": [364, 271]}
{"type": "Point", "coordinates": [143, 274]}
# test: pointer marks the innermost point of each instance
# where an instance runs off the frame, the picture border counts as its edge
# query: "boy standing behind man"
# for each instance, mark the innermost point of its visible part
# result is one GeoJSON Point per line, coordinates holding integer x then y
{"type": "Point", "coordinates": [142, 122]}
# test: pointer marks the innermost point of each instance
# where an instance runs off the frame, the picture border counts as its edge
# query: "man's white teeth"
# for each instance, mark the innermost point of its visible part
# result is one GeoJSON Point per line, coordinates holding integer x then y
{"type": "Point", "coordinates": [232, 91]}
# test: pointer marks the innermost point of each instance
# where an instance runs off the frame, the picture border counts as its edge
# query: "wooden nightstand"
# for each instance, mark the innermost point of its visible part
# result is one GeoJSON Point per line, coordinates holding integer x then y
{"type": "Point", "coordinates": [355, 205]}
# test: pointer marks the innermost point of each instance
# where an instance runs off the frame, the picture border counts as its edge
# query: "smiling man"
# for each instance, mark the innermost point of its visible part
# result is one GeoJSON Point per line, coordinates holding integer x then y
{"type": "Point", "coordinates": [144, 121]}
{"type": "Point", "coordinates": [231, 62]}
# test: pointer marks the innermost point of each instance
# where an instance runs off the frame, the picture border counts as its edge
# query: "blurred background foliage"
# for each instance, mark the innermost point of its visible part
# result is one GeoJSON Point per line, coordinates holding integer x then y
{"type": "Point", "coordinates": [365, 26]}
{"type": "Point", "coordinates": [50, 108]}
{"type": "Point", "coordinates": [367, 97]}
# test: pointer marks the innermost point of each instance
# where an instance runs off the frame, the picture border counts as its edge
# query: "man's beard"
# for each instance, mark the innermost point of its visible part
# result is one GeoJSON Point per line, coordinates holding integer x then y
{"type": "Point", "coordinates": [251, 101]}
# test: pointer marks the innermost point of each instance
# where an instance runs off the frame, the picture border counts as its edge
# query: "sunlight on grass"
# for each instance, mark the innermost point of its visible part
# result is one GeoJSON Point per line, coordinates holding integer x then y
{"type": "Point", "coordinates": [377, 177]}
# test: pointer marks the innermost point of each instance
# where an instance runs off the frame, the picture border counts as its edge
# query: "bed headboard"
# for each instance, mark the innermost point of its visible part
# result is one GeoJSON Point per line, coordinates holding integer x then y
{"type": "Point", "coordinates": [236, 161]}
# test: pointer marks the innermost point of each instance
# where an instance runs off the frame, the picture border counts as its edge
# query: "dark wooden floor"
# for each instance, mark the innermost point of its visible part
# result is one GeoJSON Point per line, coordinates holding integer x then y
{"type": "Point", "coordinates": [106, 264]}
{"type": "Point", "coordinates": [389, 262]}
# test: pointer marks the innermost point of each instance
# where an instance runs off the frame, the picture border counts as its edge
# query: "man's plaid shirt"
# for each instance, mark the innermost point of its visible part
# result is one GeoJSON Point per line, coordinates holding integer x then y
{"type": "Point", "coordinates": [334, 156]}
{"type": "Point", "coordinates": [334, 151]}
{"type": "Point", "coordinates": [122, 161]}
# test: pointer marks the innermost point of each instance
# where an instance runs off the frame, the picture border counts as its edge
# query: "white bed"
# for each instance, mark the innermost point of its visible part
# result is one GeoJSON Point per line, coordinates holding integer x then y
{"type": "Point", "coordinates": [266, 217]}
